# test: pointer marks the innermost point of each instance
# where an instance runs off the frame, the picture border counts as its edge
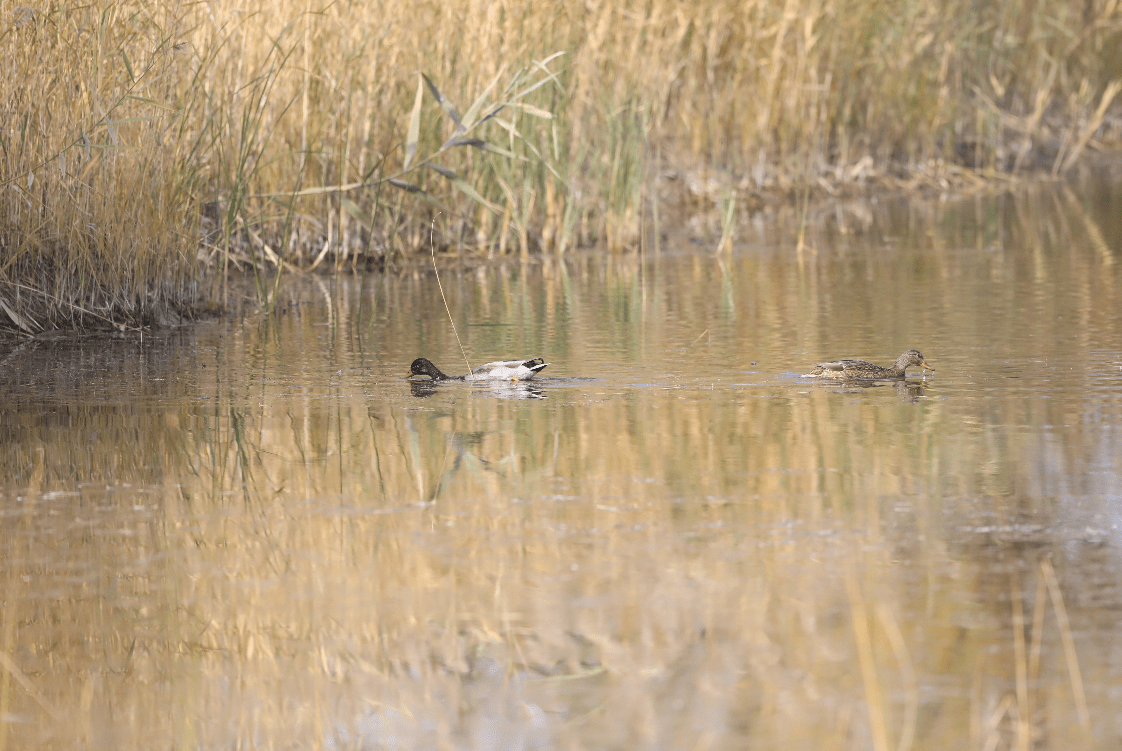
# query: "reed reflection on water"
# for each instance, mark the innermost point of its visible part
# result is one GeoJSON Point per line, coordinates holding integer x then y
{"type": "Point", "coordinates": [259, 534]}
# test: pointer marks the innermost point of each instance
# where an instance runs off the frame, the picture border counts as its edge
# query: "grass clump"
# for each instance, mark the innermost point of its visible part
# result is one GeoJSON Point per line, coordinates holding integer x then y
{"type": "Point", "coordinates": [96, 221]}
{"type": "Point", "coordinates": [143, 145]}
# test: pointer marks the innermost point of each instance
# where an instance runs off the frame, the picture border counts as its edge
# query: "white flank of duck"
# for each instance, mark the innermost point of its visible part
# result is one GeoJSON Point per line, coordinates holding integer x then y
{"type": "Point", "coordinates": [501, 370]}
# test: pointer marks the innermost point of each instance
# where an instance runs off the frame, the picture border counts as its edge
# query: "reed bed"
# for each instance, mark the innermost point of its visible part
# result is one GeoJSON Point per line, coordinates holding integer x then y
{"type": "Point", "coordinates": [145, 145]}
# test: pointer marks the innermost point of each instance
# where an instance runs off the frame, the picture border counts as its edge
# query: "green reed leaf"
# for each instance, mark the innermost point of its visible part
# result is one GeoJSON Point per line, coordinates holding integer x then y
{"type": "Point", "coordinates": [447, 106]}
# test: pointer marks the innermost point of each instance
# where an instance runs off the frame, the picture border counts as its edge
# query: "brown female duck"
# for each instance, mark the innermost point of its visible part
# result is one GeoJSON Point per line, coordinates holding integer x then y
{"type": "Point", "coordinates": [860, 369]}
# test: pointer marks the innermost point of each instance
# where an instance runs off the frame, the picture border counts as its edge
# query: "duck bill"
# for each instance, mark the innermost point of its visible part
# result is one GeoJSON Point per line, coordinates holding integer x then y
{"type": "Point", "coordinates": [925, 366]}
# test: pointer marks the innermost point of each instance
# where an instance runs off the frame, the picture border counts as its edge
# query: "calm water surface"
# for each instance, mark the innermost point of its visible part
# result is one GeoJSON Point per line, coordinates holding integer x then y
{"type": "Point", "coordinates": [255, 534]}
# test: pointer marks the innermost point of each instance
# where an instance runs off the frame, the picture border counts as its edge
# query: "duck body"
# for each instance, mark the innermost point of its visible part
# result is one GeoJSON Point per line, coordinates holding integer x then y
{"type": "Point", "coordinates": [500, 370]}
{"type": "Point", "coordinates": [862, 370]}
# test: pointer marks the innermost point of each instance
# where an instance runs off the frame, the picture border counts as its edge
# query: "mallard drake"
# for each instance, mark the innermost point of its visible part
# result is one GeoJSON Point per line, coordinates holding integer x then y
{"type": "Point", "coordinates": [503, 370]}
{"type": "Point", "coordinates": [859, 369]}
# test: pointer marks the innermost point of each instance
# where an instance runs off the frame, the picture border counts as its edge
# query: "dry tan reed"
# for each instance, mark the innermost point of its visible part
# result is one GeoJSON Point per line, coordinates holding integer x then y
{"type": "Point", "coordinates": [96, 217]}
{"type": "Point", "coordinates": [137, 139]}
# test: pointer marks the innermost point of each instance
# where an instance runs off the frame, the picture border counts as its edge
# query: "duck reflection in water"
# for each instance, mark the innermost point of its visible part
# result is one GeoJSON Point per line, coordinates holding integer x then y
{"type": "Point", "coordinates": [907, 391]}
{"type": "Point", "coordinates": [422, 389]}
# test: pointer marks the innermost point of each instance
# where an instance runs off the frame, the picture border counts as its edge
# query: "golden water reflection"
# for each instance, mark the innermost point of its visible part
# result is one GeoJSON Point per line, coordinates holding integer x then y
{"type": "Point", "coordinates": [257, 534]}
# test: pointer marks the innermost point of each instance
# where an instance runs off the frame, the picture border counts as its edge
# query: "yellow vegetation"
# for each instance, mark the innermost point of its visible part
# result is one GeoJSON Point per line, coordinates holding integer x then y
{"type": "Point", "coordinates": [137, 140]}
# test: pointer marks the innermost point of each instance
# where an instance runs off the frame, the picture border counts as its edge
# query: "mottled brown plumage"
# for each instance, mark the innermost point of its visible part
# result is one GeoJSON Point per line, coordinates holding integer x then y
{"type": "Point", "coordinates": [862, 370]}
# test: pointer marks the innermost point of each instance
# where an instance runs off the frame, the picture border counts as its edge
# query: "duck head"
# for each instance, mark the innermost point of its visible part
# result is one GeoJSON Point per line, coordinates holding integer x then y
{"type": "Point", "coordinates": [423, 367]}
{"type": "Point", "coordinates": [912, 357]}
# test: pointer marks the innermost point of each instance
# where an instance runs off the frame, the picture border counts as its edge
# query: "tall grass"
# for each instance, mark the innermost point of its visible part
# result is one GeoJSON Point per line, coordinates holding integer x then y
{"type": "Point", "coordinates": [137, 141]}
{"type": "Point", "coordinates": [96, 211]}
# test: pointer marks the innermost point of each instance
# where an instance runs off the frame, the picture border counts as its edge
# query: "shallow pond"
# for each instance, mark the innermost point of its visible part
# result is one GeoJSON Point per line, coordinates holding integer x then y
{"type": "Point", "coordinates": [255, 533]}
